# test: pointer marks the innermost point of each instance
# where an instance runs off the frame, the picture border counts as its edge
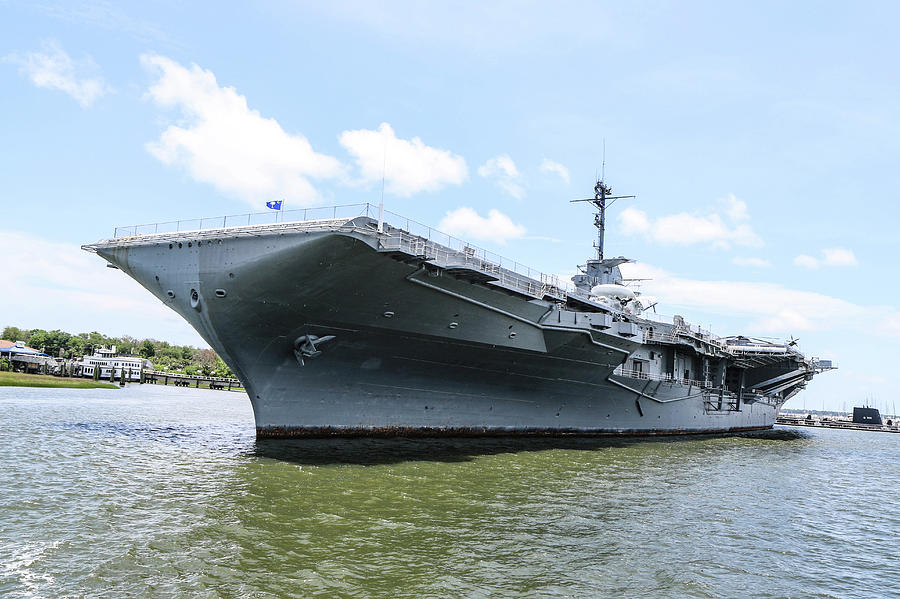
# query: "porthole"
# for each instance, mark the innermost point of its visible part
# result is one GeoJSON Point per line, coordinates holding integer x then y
{"type": "Point", "coordinates": [170, 293]}
{"type": "Point", "coordinates": [179, 245]}
{"type": "Point", "coordinates": [452, 325]}
{"type": "Point", "coordinates": [388, 314]}
{"type": "Point", "coordinates": [189, 244]}
{"type": "Point", "coordinates": [195, 299]}
{"type": "Point", "coordinates": [220, 293]}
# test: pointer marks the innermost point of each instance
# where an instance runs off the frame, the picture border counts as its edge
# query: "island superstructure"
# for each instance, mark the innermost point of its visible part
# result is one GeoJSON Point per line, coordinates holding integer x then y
{"type": "Point", "coordinates": [352, 321]}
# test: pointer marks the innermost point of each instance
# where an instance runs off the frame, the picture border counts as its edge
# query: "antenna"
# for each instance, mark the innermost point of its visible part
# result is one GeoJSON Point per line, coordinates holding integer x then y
{"type": "Point", "coordinates": [602, 193]}
{"type": "Point", "coordinates": [603, 164]}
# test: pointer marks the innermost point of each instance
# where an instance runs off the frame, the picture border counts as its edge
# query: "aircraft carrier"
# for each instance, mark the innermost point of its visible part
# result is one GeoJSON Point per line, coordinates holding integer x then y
{"type": "Point", "coordinates": [349, 320]}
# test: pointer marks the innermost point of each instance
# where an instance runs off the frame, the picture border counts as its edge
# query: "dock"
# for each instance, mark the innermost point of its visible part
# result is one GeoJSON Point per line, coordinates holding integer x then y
{"type": "Point", "coordinates": [790, 420]}
{"type": "Point", "coordinates": [180, 379]}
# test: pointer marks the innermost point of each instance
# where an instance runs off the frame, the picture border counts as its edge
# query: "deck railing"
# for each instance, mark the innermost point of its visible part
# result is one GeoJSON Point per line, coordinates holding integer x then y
{"type": "Point", "coordinates": [649, 376]}
{"type": "Point", "coordinates": [272, 217]}
{"type": "Point", "coordinates": [446, 250]}
{"type": "Point", "coordinates": [678, 332]}
{"type": "Point", "coordinates": [399, 231]}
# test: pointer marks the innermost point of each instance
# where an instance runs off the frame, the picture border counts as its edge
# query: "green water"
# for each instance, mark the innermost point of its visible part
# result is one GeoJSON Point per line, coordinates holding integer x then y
{"type": "Point", "coordinates": [158, 492]}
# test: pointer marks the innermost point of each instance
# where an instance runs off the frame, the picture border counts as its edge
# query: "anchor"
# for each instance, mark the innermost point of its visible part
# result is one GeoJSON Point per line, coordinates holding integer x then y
{"type": "Point", "coordinates": [305, 346]}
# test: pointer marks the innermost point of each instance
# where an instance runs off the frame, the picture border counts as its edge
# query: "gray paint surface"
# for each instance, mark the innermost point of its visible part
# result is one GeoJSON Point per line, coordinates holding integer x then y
{"type": "Point", "coordinates": [336, 328]}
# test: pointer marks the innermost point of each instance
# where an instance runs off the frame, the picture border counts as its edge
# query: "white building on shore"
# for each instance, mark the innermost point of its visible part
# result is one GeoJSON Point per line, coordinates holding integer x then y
{"type": "Point", "coordinates": [108, 359]}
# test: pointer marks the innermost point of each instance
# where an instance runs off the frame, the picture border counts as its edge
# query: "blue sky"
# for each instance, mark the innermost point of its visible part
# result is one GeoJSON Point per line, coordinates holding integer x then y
{"type": "Point", "coordinates": [760, 141]}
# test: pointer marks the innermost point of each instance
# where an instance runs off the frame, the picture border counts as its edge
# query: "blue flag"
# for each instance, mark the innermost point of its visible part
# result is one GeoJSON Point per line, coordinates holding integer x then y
{"type": "Point", "coordinates": [276, 205]}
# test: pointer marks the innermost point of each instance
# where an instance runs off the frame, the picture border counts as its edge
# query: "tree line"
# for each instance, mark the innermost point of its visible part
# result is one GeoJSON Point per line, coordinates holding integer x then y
{"type": "Point", "coordinates": [163, 355]}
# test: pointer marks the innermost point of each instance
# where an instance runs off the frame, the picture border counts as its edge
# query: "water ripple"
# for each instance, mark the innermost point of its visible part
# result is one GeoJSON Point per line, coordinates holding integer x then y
{"type": "Point", "coordinates": [157, 492]}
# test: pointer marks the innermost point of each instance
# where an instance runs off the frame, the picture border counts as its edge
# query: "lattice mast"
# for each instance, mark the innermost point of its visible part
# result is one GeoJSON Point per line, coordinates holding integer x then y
{"type": "Point", "coordinates": [602, 194]}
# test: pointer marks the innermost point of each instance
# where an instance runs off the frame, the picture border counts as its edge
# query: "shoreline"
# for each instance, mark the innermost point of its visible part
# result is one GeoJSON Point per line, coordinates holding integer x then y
{"type": "Point", "coordinates": [49, 381]}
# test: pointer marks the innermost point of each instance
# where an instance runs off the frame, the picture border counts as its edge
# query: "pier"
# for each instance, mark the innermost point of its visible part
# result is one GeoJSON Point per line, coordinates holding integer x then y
{"type": "Point", "coordinates": [891, 426]}
{"type": "Point", "coordinates": [180, 379]}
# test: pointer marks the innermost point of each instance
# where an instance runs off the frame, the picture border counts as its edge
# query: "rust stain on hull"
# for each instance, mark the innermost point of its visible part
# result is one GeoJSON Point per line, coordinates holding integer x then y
{"type": "Point", "coordinates": [325, 432]}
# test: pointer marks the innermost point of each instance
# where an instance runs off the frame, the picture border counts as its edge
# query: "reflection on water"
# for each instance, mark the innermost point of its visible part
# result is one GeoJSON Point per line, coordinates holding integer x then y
{"type": "Point", "coordinates": [166, 493]}
{"type": "Point", "coordinates": [361, 451]}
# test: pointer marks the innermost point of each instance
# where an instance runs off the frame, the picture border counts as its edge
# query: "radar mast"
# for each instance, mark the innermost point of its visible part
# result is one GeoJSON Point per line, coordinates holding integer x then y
{"type": "Point", "coordinates": [600, 270]}
{"type": "Point", "coordinates": [602, 194]}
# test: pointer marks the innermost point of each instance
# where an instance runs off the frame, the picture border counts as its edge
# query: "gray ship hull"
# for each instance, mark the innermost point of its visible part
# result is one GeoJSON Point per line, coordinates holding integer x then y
{"type": "Point", "coordinates": [334, 334]}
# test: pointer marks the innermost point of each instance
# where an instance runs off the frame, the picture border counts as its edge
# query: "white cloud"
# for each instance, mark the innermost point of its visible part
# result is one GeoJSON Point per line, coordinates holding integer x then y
{"type": "Point", "coordinates": [225, 143]}
{"type": "Point", "coordinates": [830, 257]}
{"type": "Point", "coordinates": [806, 261]}
{"type": "Point", "coordinates": [689, 229]}
{"type": "Point", "coordinates": [736, 209]}
{"type": "Point", "coordinates": [839, 257]}
{"type": "Point", "coordinates": [751, 262]}
{"type": "Point", "coordinates": [466, 223]}
{"type": "Point", "coordinates": [890, 325]}
{"type": "Point", "coordinates": [550, 166]}
{"type": "Point", "coordinates": [409, 166]}
{"type": "Point", "coordinates": [634, 221]}
{"type": "Point", "coordinates": [54, 285]}
{"type": "Point", "coordinates": [503, 170]}
{"type": "Point", "coordinates": [768, 307]}
{"type": "Point", "coordinates": [53, 68]}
